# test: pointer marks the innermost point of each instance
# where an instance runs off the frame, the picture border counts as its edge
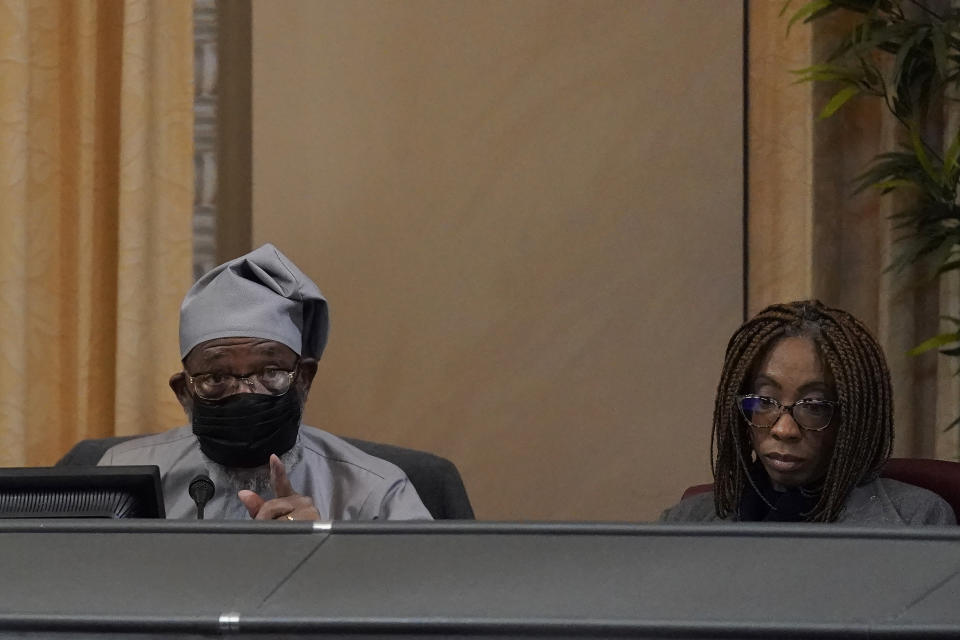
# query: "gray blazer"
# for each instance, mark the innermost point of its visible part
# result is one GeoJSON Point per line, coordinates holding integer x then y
{"type": "Point", "coordinates": [344, 482]}
{"type": "Point", "coordinates": [883, 502]}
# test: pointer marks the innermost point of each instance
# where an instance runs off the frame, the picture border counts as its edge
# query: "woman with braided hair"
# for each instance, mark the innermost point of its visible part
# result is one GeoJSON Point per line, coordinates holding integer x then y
{"type": "Point", "coordinates": [802, 424]}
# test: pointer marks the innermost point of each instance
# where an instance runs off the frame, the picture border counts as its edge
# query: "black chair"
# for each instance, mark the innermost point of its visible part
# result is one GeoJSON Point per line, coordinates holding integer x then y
{"type": "Point", "coordinates": [436, 479]}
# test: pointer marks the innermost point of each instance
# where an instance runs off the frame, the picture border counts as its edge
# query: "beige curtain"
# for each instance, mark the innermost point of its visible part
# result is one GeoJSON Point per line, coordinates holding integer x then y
{"type": "Point", "coordinates": [810, 237]}
{"type": "Point", "coordinates": [96, 182]}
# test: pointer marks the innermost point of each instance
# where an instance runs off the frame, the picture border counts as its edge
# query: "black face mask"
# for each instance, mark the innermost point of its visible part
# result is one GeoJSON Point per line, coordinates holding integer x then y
{"type": "Point", "coordinates": [242, 430]}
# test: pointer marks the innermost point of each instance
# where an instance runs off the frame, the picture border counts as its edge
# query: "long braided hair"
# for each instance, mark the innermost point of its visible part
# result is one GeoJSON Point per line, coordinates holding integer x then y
{"type": "Point", "coordinates": [864, 419]}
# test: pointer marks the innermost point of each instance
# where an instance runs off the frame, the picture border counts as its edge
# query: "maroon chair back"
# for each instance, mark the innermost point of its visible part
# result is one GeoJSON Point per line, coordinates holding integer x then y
{"type": "Point", "coordinates": [940, 476]}
{"type": "Point", "coordinates": [695, 489]}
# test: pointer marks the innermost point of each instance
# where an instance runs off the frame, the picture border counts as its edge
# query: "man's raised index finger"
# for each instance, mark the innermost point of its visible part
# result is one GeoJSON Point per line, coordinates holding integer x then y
{"type": "Point", "coordinates": [278, 478]}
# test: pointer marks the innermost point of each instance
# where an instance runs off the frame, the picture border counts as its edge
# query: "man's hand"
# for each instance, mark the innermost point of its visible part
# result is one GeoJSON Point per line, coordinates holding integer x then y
{"type": "Point", "coordinates": [288, 505]}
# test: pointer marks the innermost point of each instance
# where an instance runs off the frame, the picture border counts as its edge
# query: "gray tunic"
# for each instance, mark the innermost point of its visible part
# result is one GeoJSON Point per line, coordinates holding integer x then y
{"type": "Point", "coordinates": [344, 482]}
{"type": "Point", "coordinates": [883, 502]}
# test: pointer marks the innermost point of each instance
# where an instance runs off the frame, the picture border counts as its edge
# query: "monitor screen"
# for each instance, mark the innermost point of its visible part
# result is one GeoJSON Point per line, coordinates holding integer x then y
{"type": "Point", "coordinates": [81, 492]}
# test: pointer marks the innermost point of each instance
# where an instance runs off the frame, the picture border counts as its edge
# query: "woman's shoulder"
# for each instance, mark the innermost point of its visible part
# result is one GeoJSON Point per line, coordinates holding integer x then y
{"type": "Point", "coordinates": [885, 501]}
{"type": "Point", "coordinates": [697, 508]}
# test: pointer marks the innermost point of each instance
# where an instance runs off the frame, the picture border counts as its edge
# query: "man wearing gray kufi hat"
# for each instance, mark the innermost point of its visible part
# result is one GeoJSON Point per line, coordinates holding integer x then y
{"type": "Point", "coordinates": [251, 333]}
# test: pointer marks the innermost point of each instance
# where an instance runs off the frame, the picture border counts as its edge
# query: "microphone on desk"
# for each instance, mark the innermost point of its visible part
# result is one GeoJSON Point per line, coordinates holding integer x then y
{"type": "Point", "coordinates": [201, 490]}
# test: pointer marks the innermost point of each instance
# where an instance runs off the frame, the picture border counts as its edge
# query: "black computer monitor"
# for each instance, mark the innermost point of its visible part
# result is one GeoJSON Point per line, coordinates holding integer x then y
{"type": "Point", "coordinates": [81, 492]}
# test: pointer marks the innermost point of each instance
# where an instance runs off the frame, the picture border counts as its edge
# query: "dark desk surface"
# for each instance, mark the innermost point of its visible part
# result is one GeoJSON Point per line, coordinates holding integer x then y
{"type": "Point", "coordinates": [477, 579]}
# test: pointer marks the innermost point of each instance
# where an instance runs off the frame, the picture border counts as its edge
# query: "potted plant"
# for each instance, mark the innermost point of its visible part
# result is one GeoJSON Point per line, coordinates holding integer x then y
{"type": "Point", "coordinates": [907, 54]}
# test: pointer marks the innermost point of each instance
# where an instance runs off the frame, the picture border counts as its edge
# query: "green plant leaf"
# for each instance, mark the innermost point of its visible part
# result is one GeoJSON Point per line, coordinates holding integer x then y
{"type": "Point", "coordinates": [828, 73]}
{"type": "Point", "coordinates": [905, 60]}
{"type": "Point", "coordinates": [871, 78]}
{"type": "Point", "coordinates": [894, 165]}
{"type": "Point", "coordinates": [939, 257]}
{"type": "Point", "coordinates": [934, 343]}
{"type": "Point", "coordinates": [913, 247]}
{"type": "Point", "coordinates": [860, 6]}
{"type": "Point", "coordinates": [950, 158]}
{"type": "Point", "coordinates": [838, 100]}
{"type": "Point", "coordinates": [948, 266]}
{"type": "Point", "coordinates": [807, 11]}
{"type": "Point", "coordinates": [921, 154]}
{"type": "Point", "coordinates": [952, 425]}
{"type": "Point", "coordinates": [898, 183]}
{"type": "Point", "coordinates": [939, 40]}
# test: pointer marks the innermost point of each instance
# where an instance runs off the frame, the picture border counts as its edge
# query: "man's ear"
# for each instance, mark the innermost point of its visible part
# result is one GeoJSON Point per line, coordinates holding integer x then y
{"type": "Point", "coordinates": [178, 382]}
{"type": "Point", "coordinates": [308, 369]}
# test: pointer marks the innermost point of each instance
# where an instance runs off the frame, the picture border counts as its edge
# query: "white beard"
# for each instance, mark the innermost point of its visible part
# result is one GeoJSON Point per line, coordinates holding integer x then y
{"type": "Point", "coordinates": [256, 479]}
